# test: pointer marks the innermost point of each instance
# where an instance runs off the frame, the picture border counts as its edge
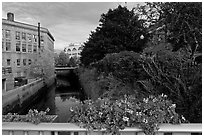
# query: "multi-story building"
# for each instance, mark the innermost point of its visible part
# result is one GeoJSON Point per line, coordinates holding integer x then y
{"type": "Point", "coordinates": [23, 59]}
{"type": "Point", "coordinates": [74, 49]}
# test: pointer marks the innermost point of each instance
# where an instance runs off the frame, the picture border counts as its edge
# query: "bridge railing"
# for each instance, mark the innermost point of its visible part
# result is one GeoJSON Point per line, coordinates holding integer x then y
{"type": "Point", "coordinates": [64, 67]}
{"type": "Point", "coordinates": [23, 128]}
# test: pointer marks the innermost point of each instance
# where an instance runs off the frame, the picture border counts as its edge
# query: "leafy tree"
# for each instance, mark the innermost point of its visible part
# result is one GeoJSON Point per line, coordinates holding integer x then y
{"type": "Point", "coordinates": [174, 74]}
{"type": "Point", "coordinates": [119, 29]}
{"type": "Point", "coordinates": [182, 22]}
{"type": "Point", "coordinates": [62, 59]}
{"type": "Point", "coordinates": [73, 62]}
{"type": "Point", "coordinates": [124, 65]}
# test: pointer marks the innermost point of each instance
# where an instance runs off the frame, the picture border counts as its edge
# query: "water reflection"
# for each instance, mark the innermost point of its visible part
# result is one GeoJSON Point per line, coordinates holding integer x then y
{"type": "Point", "coordinates": [58, 100]}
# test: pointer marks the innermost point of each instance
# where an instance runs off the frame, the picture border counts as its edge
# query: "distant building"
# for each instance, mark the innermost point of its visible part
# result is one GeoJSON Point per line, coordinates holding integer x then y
{"type": "Point", "coordinates": [74, 49]}
{"type": "Point", "coordinates": [22, 58]}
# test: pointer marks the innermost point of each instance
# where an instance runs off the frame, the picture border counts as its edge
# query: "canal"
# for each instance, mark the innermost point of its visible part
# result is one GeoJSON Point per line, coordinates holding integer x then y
{"type": "Point", "coordinates": [58, 98]}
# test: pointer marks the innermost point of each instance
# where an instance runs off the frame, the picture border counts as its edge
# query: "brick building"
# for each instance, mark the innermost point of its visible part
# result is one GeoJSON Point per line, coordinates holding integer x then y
{"type": "Point", "coordinates": [22, 58]}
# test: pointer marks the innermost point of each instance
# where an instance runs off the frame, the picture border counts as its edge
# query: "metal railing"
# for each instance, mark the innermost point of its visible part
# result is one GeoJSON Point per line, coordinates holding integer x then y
{"type": "Point", "coordinates": [23, 128]}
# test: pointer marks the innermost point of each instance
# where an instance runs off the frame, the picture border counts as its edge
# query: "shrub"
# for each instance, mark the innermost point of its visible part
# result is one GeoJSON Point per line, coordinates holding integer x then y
{"type": "Point", "coordinates": [33, 116]}
{"type": "Point", "coordinates": [126, 112]}
{"type": "Point", "coordinates": [179, 76]}
{"type": "Point", "coordinates": [124, 66]}
{"type": "Point", "coordinates": [88, 80]}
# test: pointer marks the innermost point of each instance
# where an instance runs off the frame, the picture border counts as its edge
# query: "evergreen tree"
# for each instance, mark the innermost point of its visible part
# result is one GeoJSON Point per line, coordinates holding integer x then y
{"type": "Point", "coordinates": [119, 29]}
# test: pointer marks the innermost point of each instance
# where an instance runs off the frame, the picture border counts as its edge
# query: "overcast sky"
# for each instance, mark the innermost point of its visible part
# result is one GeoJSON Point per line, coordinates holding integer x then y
{"type": "Point", "coordinates": [67, 21]}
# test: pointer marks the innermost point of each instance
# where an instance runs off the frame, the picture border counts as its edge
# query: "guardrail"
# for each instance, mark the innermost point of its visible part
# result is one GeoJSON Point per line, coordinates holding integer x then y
{"type": "Point", "coordinates": [23, 128]}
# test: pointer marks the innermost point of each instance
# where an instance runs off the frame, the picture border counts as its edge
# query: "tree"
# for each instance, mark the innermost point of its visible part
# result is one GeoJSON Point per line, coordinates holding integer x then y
{"type": "Point", "coordinates": [178, 76]}
{"type": "Point", "coordinates": [62, 59]}
{"type": "Point", "coordinates": [182, 22]}
{"type": "Point", "coordinates": [119, 29]}
{"type": "Point", "coordinates": [73, 62]}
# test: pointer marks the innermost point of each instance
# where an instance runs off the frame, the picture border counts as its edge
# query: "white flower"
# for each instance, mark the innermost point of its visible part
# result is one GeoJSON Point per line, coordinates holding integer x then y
{"type": "Point", "coordinates": [71, 109]}
{"type": "Point", "coordinates": [145, 100]}
{"type": "Point", "coordinates": [129, 111]}
{"type": "Point", "coordinates": [154, 100]}
{"type": "Point", "coordinates": [183, 117]}
{"type": "Point", "coordinates": [125, 118]}
{"type": "Point", "coordinates": [145, 120]}
{"type": "Point", "coordinates": [173, 105]}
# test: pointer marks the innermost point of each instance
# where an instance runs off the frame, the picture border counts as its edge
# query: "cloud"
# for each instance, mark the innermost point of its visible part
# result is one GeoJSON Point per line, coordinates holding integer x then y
{"type": "Point", "coordinates": [67, 21]}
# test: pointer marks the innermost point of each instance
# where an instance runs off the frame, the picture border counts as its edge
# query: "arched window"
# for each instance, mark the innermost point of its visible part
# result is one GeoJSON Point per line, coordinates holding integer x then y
{"type": "Point", "coordinates": [68, 50]}
{"type": "Point", "coordinates": [74, 49]}
{"type": "Point", "coordinates": [80, 48]}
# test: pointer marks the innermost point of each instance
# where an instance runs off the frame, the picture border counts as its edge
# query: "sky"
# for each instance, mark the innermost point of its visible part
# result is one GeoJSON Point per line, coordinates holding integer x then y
{"type": "Point", "coordinates": [68, 22]}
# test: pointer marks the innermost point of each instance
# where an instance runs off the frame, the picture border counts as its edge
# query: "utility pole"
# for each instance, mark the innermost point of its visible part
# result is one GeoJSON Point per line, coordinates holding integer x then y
{"type": "Point", "coordinates": [39, 36]}
{"type": "Point", "coordinates": [39, 48]}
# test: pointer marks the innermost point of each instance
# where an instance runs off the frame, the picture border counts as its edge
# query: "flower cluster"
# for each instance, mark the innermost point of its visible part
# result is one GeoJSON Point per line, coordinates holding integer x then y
{"type": "Point", "coordinates": [33, 116]}
{"type": "Point", "coordinates": [125, 112]}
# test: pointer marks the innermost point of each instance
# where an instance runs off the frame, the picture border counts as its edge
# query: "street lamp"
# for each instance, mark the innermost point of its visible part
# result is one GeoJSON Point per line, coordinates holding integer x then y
{"type": "Point", "coordinates": [141, 37]}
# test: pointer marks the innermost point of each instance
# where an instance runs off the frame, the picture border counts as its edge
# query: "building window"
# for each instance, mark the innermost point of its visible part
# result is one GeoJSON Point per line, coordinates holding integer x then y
{"type": "Point", "coordinates": [73, 49]}
{"type": "Point", "coordinates": [8, 45]}
{"type": "Point", "coordinates": [29, 37]}
{"type": "Point", "coordinates": [8, 61]}
{"type": "Point", "coordinates": [29, 62]}
{"type": "Point", "coordinates": [8, 34]}
{"type": "Point", "coordinates": [23, 47]}
{"type": "Point", "coordinates": [35, 48]}
{"type": "Point", "coordinates": [35, 38]}
{"type": "Point", "coordinates": [24, 62]}
{"type": "Point", "coordinates": [23, 36]}
{"type": "Point", "coordinates": [17, 35]}
{"type": "Point", "coordinates": [4, 84]}
{"type": "Point", "coordinates": [2, 45]}
{"type": "Point", "coordinates": [30, 47]}
{"type": "Point", "coordinates": [42, 48]}
{"type": "Point", "coordinates": [18, 62]}
{"type": "Point", "coordinates": [18, 46]}
{"type": "Point", "coordinates": [41, 39]}
{"type": "Point", "coordinates": [69, 50]}
{"type": "Point", "coordinates": [2, 33]}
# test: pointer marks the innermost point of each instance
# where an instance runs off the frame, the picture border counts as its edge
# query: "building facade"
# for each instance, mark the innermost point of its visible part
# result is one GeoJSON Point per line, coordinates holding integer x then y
{"type": "Point", "coordinates": [23, 59]}
{"type": "Point", "coordinates": [74, 49]}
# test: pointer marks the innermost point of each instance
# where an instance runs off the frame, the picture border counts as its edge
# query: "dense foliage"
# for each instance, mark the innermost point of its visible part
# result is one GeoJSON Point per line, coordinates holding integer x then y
{"type": "Point", "coordinates": [128, 111]}
{"type": "Point", "coordinates": [178, 76]}
{"type": "Point", "coordinates": [119, 29]}
{"type": "Point", "coordinates": [154, 72]}
{"type": "Point", "coordinates": [33, 116]}
{"type": "Point", "coordinates": [182, 22]}
{"type": "Point", "coordinates": [171, 66]}
{"type": "Point", "coordinates": [63, 59]}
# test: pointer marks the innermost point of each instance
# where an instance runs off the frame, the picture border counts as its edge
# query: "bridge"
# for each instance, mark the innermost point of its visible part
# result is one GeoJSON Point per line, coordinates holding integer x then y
{"type": "Point", "coordinates": [61, 68]}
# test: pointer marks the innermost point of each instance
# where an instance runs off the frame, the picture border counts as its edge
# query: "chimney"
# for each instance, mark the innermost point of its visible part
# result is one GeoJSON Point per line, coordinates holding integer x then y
{"type": "Point", "coordinates": [10, 16]}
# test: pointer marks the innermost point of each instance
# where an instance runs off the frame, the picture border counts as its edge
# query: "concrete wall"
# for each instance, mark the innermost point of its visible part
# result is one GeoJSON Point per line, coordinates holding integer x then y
{"type": "Point", "coordinates": [19, 95]}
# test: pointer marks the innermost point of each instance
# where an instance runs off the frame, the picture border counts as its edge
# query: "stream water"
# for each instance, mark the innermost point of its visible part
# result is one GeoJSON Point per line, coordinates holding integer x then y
{"type": "Point", "coordinates": [57, 99]}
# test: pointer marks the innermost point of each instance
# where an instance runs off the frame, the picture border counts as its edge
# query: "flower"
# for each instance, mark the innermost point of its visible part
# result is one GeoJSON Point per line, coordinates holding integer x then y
{"type": "Point", "coordinates": [129, 111]}
{"type": "Point", "coordinates": [146, 100]}
{"type": "Point", "coordinates": [125, 118]}
{"type": "Point", "coordinates": [71, 109]}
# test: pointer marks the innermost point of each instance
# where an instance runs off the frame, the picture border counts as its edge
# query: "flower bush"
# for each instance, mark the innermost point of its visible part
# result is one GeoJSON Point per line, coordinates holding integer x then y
{"type": "Point", "coordinates": [33, 116]}
{"type": "Point", "coordinates": [115, 115]}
